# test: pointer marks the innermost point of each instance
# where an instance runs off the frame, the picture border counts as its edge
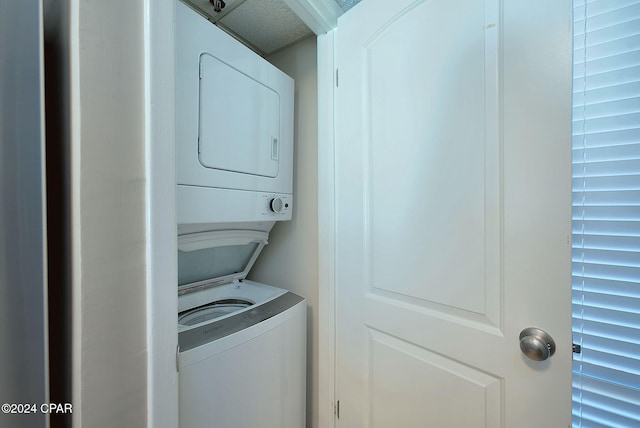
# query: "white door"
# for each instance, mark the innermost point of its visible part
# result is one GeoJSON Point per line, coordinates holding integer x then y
{"type": "Point", "coordinates": [453, 213]}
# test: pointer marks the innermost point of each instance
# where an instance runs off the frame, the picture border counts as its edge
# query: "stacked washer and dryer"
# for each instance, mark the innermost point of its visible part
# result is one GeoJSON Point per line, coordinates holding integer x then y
{"type": "Point", "coordinates": [242, 344]}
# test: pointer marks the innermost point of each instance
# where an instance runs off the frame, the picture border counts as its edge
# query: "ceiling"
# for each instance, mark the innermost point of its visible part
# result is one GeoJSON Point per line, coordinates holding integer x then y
{"type": "Point", "coordinates": [345, 5]}
{"type": "Point", "coordinates": [266, 26]}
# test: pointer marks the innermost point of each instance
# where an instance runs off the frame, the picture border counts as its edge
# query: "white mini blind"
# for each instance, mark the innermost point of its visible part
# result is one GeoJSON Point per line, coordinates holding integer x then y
{"type": "Point", "coordinates": [606, 213]}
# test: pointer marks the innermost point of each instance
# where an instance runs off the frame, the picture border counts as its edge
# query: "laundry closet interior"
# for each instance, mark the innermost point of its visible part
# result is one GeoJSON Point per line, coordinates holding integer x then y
{"type": "Point", "coordinates": [115, 320]}
{"type": "Point", "coordinates": [246, 207]}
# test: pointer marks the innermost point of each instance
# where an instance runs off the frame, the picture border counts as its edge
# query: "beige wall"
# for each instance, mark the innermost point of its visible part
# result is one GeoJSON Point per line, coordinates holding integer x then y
{"type": "Point", "coordinates": [291, 259]}
{"type": "Point", "coordinates": [108, 215]}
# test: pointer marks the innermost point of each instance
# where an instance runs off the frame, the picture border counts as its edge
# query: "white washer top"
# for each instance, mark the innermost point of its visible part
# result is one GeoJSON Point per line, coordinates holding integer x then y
{"type": "Point", "coordinates": [253, 292]}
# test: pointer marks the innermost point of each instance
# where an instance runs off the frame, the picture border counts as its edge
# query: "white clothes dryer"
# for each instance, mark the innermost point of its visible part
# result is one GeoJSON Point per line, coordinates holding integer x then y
{"type": "Point", "coordinates": [234, 128]}
{"type": "Point", "coordinates": [242, 344]}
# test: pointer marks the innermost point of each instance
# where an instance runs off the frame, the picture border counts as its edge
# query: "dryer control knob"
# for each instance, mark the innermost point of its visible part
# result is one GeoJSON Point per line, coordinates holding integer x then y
{"type": "Point", "coordinates": [276, 205]}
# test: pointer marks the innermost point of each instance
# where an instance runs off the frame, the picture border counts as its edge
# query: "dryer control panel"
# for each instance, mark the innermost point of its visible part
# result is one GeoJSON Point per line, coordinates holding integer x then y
{"type": "Point", "coordinates": [208, 205]}
{"type": "Point", "coordinates": [278, 205]}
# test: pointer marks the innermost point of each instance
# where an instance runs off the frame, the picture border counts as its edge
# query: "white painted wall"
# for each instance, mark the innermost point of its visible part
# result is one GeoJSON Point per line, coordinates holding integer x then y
{"type": "Point", "coordinates": [291, 259]}
{"type": "Point", "coordinates": [108, 214]}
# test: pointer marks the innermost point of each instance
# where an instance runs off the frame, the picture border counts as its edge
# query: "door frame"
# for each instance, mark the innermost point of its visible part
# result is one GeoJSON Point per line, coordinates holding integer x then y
{"type": "Point", "coordinates": [327, 75]}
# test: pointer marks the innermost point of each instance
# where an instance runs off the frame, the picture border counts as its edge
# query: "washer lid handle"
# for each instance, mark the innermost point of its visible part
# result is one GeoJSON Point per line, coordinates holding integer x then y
{"type": "Point", "coordinates": [220, 238]}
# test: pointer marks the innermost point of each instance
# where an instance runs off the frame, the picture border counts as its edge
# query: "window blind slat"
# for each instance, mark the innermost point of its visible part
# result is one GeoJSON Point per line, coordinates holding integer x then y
{"type": "Point", "coordinates": [608, 331]}
{"type": "Point", "coordinates": [599, 242]}
{"type": "Point", "coordinates": [605, 316]}
{"type": "Point", "coordinates": [614, 153]}
{"type": "Point", "coordinates": [602, 139]}
{"type": "Point", "coordinates": [607, 389]}
{"type": "Point", "coordinates": [620, 187]}
{"type": "Point", "coordinates": [604, 85]}
{"type": "Point", "coordinates": [612, 123]}
{"type": "Point", "coordinates": [590, 299]}
{"type": "Point", "coordinates": [599, 7]}
{"type": "Point", "coordinates": [608, 34]}
{"type": "Point", "coordinates": [614, 287]}
{"type": "Point", "coordinates": [609, 257]}
{"type": "Point", "coordinates": [610, 47]}
{"type": "Point", "coordinates": [607, 109]}
{"type": "Point", "coordinates": [627, 351]}
{"type": "Point", "coordinates": [628, 167]}
{"type": "Point", "coordinates": [589, 420]}
{"type": "Point", "coordinates": [605, 271]}
{"type": "Point", "coordinates": [613, 63]}
{"type": "Point", "coordinates": [619, 12]}
{"type": "Point", "coordinates": [607, 213]}
{"type": "Point", "coordinates": [606, 227]}
{"type": "Point", "coordinates": [623, 11]}
{"type": "Point", "coordinates": [614, 370]}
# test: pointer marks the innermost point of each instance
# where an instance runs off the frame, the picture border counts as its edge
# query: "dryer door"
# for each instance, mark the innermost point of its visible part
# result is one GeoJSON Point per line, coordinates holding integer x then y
{"type": "Point", "coordinates": [239, 121]}
{"type": "Point", "coordinates": [234, 124]}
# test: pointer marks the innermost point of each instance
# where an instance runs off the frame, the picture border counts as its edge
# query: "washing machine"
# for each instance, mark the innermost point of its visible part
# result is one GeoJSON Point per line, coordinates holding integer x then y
{"type": "Point", "coordinates": [242, 344]}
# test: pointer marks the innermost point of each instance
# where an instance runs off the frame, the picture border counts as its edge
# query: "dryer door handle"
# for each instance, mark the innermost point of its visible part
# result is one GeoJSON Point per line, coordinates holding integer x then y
{"type": "Point", "coordinates": [275, 148]}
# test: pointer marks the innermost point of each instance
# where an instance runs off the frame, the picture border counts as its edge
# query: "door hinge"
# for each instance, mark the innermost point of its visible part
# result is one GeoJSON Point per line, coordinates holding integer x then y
{"type": "Point", "coordinates": [178, 358]}
{"type": "Point", "coordinates": [577, 349]}
{"type": "Point", "coordinates": [199, 146]}
{"type": "Point", "coordinates": [338, 409]}
{"type": "Point", "coordinates": [336, 77]}
{"type": "Point", "coordinates": [200, 71]}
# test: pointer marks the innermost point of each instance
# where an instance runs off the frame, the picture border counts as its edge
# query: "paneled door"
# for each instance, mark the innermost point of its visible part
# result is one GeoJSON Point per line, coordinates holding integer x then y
{"type": "Point", "coordinates": [453, 214]}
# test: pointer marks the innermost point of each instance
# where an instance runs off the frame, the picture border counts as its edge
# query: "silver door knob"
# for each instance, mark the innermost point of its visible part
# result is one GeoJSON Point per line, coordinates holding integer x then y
{"type": "Point", "coordinates": [536, 344]}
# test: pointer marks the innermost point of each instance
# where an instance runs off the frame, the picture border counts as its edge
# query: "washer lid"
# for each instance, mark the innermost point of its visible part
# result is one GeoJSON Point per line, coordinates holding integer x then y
{"type": "Point", "coordinates": [218, 257]}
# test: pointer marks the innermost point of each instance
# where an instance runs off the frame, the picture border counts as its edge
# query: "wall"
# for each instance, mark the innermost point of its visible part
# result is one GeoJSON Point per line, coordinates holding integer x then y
{"type": "Point", "coordinates": [108, 229]}
{"type": "Point", "coordinates": [23, 338]}
{"type": "Point", "coordinates": [291, 259]}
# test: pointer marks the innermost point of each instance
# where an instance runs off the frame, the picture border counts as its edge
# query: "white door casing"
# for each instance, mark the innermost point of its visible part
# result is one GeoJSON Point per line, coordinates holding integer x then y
{"type": "Point", "coordinates": [452, 212]}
